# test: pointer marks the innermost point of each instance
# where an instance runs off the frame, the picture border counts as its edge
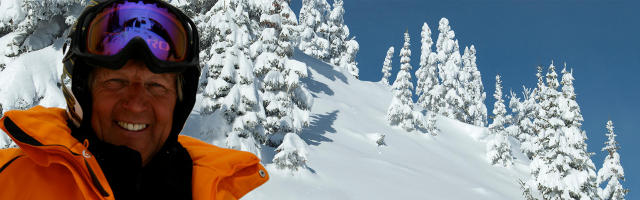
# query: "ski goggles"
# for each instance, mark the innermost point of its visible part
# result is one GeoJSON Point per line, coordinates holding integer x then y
{"type": "Point", "coordinates": [115, 31]}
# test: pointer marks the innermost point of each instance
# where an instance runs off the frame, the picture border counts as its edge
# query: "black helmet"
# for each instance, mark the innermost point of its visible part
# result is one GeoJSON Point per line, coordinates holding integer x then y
{"type": "Point", "coordinates": [108, 33]}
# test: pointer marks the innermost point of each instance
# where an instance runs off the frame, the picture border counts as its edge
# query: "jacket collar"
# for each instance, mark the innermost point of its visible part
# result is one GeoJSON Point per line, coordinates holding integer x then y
{"type": "Point", "coordinates": [43, 135]}
{"type": "Point", "coordinates": [40, 127]}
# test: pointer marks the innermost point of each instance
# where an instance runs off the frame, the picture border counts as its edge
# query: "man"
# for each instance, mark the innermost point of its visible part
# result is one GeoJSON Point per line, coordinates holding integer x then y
{"type": "Point", "coordinates": [134, 68]}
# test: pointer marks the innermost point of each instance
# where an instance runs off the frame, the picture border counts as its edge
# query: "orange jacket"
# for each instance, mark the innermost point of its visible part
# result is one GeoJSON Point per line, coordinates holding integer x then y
{"type": "Point", "coordinates": [52, 164]}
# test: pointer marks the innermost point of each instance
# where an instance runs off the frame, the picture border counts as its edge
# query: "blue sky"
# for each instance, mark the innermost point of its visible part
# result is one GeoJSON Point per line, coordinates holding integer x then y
{"type": "Point", "coordinates": [600, 40]}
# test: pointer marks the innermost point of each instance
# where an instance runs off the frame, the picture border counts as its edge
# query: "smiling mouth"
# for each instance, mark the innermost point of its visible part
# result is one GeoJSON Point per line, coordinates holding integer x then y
{"type": "Point", "coordinates": [131, 126]}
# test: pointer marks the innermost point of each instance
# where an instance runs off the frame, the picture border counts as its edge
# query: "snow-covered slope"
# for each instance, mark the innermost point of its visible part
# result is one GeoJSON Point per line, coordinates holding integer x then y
{"type": "Point", "coordinates": [345, 161]}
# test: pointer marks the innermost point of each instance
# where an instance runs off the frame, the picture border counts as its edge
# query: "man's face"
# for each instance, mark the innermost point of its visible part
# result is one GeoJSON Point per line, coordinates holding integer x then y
{"type": "Point", "coordinates": [133, 107]}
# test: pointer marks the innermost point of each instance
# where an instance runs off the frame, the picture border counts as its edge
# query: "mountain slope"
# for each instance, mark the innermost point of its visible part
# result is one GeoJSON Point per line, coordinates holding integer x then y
{"type": "Point", "coordinates": [346, 163]}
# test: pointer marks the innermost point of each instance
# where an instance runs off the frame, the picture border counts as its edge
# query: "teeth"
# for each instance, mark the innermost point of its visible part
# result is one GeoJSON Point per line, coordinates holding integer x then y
{"type": "Point", "coordinates": [132, 127]}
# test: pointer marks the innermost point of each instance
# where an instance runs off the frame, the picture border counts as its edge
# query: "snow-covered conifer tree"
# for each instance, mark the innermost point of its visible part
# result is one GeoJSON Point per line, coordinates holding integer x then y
{"type": "Point", "coordinates": [611, 172]}
{"type": "Point", "coordinates": [39, 22]}
{"type": "Point", "coordinates": [540, 91]}
{"type": "Point", "coordinates": [425, 75]}
{"type": "Point", "coordinates": [449, 64]}
{"type": "Point", "coordinates": [292, 153]}
{"type": "Point", "coordinates": [220, 27]}
{"type": "Point", "coordinates": [348, 58]}
{"type": "Point", "coordinates": [571, 111]}
{"type": "Point", "coordinates": [401, 109]}
{"type": "Point", "coordinates": [581, 169]}
{"type": "Point", "coordinates": [315, 30]}
{"type": "Point", "coordinates": [522, 127]}
{"type": "Point", "coordinates": [386, 66]}
{"type": "Point", "coordinates": [499, 148]}
{"type": "Point", "coordinates": [343, 49]}
{"type": "Point", "coordinates": [546, 177]}
{"type": "Point", "coordinates": [194, 8]}
{"type": "Point", "coordinates": [474, 108]}
{"type": "Point", "coordinates": [285, 99]}
{"type": "Point", "coordinates": [30, 25]}
{"type": "Point", "coordinates": [232, 88]}
{"type": "Point", "coordinates": [36, 24]}
{"type": "Point", "coordinates": [338, 32]}
{"type": "Point", "coordinates": [429, 90]}
{"type": "Point", "coordinates": [539, 114]}
{"type": "Point", "coordinates": [465, 92]}
{"type": "Point", "coordinates": [561, 169]}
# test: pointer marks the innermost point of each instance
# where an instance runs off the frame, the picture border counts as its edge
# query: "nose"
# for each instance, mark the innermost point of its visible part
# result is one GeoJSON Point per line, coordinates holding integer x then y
{"type": "Point", "coordinates": [135, 99]}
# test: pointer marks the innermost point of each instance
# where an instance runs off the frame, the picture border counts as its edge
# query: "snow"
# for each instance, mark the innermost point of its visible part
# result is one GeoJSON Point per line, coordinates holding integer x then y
{"type": "Point", "coordinates": [11, 12]}
{"type": "Point", "coordinates": [33, 77]}
{"type": "Point", "coordinates": [345, 162]}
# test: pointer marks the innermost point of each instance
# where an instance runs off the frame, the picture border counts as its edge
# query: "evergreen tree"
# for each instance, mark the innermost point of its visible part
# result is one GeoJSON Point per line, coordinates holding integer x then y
{"type": "Point", "coordinates": [37, 23]}
{"type": "Point", "coordinates": [580, 164]}
{"type": "Point", "coordinates": [292, 153]}
{"type": "Point", "coordinates": [611, 171]}
{"type": "Point", "coordinates": [221, 31]}
{"type": "Point", "coordinates": [499, 148]}
{"type": "Point", "coordinates": [231, 88]}
{"type": "Point", "coordinates": [401, 109]}
{"type": "Point", "coordinates": [465, 92]}
{"type": "Point", "coordinates": [546, 174]}
{"type": "Point", "coordinates": [530, 117]}
{"type": "Point", "coordinates": [285, 99]}
{"type": "Point", "coordinates": [338, 32]}
{"type": "Point", "coordinates": [386, 66]}
{"type": "Point", "coordinates": [32, 25]}
{"type": "Point", "coordinates": [425, 75]}
{"type": "Point", "coordinates": [315, 30]}
{"type": "Point", "coordinates": [561, 168]}
{"type": "Point", "coordinates": [348, 58]}
{"type": "Point", "coordinates": [429, 90]}
{"type": "Point", "coordinates": [522, 127]}
{"type": "Point", "coordinates": [194, 8]}
{"type": "Point", "coordinates": [539, 114]}
{"type": "Point", "coordinates": [475, 111]}
{"type": "Point", "coordinates": [343, 50]}
{"type": "Point", "coordinates": [449, 63]}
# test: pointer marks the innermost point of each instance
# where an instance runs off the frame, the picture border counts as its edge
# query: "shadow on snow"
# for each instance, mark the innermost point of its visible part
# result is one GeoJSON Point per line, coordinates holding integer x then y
{"type": "Point", "coordinates": [320, 125]}
{"type": "Point", "coordinates": [322, 68]}
{"type": "Point", "coordinates": [317, 87]}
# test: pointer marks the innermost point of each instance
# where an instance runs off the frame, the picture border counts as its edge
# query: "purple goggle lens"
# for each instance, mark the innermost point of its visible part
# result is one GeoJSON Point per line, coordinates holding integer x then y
{"type": "Point", "coordinates": [117, 24]}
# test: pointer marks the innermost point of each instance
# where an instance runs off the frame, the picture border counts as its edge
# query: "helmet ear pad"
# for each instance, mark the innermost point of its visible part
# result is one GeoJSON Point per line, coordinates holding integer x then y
{"type": "Point", "coordinates": [82, 92]}
{"type": "Point", "coordinates": [189, 80]}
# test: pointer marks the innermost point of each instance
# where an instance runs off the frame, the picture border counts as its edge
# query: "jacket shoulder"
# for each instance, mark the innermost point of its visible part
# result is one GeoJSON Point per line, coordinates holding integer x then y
{"type": "Point", "coordinates": [38, 126]}
{"type": "Point", "coordinates": [211, 156]}
{"type": "Point", "coordinates": [220, 173]}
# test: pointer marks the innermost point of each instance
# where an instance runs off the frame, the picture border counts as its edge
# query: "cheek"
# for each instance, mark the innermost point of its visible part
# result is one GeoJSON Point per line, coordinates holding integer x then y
{"type": "Point", "coordinates": [164, 111]}
{"type": "Point", "coordinates": [102, 107]}
{"type": "Point", "coordinates": [103, 104]}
